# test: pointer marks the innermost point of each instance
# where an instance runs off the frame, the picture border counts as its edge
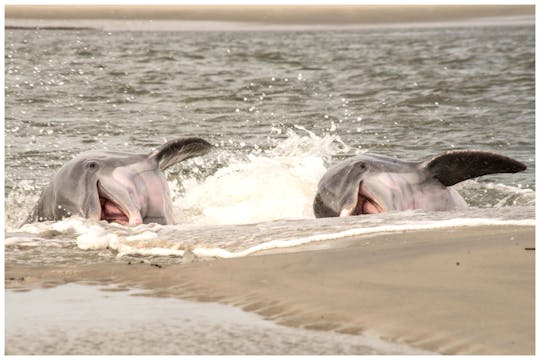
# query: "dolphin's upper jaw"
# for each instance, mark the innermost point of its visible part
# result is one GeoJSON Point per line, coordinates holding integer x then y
{"type": "Point", "coordinates": [366, 203]}
{"type": "Point", "coordinates": [113, 212]}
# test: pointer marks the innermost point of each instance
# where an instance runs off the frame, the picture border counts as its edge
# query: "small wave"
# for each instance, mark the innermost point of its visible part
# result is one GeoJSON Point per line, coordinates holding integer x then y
{"type": "Point", "coordinates": [285, 243]}
{"type": "Point", "coordinates": [495, 195]}
{"type": "Point", "coordinates": [157, 240]}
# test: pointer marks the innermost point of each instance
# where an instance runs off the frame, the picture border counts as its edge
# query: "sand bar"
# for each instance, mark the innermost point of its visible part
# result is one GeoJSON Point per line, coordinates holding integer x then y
{"type": "Point", "coordinates": [260, 17]}
{"type": "Point", "coordinates": [454, 291]}
{"type": "Point", "coordinates": [77, 319]}
{"type": "Point", "coordinates": [280, 14]}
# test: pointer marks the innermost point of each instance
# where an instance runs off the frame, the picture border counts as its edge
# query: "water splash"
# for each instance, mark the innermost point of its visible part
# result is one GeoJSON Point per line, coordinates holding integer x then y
{"type": "Point", "coordinates": [276, 180]}
{"type": "Point", "coordinates": [279, 183]}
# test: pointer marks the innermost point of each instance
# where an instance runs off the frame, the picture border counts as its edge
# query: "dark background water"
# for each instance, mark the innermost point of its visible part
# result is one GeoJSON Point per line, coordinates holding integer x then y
{"type": "Point", "coordinates": [404, 92]}
{"type": "Point", "coordinates": [408, 92]}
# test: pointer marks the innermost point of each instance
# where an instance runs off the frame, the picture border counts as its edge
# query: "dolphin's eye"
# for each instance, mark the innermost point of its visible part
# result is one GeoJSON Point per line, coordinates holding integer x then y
{"type": "Point", "coordinates": [92, 165]}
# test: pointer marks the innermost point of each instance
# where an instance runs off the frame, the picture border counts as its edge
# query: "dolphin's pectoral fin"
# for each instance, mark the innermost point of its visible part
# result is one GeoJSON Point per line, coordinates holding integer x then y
{"type": "Point", "coordinates": [178, 150]}
{"type": "Point", "coordinates": [455, 166]}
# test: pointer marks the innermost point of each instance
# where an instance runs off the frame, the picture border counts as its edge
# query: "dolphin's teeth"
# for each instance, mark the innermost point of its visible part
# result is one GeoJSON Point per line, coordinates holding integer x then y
{"type": "Point", "coordinates": [346, 212]}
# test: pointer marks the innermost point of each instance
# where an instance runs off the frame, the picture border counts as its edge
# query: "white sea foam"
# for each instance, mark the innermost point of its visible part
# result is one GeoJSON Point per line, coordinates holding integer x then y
{"type": "Point", "coordinates": [264, 186]}
{"type": "Point", "coordinates": [162, 243]}
{"type": "Point", "coordinates": [95, 238]}
{"type": "Point", "coordinates": [220, 251]}
{"type": "Point", "coordinates": [285, 243]}
{"type": "Point", "coordinates": [22, 241]}
{"type": "Point", "coordinates": [260, 189]}
{"type": "Point", "coordinates": [224, 242]}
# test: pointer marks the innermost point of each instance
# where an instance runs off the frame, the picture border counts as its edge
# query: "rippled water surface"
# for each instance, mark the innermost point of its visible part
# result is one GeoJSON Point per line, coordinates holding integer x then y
{"type": "Point", "coordinates": [280, 108]}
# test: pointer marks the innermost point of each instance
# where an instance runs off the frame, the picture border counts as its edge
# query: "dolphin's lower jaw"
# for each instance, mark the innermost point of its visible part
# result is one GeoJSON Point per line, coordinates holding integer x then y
{"type": "Point", "coordinates": [112, 212]}
{"type": "Point", "coordinates": [365, 203]}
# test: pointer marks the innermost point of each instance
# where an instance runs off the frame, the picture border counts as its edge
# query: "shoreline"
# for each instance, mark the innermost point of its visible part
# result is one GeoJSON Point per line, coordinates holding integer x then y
{"type": "Point", "coordinates": [467, 291]}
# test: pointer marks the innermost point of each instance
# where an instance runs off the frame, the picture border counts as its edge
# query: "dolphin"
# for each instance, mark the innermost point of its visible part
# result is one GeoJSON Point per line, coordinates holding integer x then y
{"type": "Point", "coordinates": [125, 188]}
{"type": "Point", "coordinates": [370, 184]}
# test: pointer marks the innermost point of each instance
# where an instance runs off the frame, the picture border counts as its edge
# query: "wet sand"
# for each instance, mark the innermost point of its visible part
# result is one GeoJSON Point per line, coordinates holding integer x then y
{"type": "Point", "coordinates": [453, 291]}
{"type": "Point", "coordinates": [95, 320]}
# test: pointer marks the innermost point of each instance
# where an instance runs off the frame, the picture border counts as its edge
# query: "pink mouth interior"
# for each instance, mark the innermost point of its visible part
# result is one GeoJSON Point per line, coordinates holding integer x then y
{"type": "Point", "coordinates": [112, 212]}
{"type": "Point", "coordinates": [365, 204]}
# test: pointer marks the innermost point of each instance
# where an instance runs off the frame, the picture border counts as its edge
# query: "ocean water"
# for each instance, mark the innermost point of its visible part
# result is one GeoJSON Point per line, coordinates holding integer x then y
{"type": "Point", "coordinates": [280, 108]}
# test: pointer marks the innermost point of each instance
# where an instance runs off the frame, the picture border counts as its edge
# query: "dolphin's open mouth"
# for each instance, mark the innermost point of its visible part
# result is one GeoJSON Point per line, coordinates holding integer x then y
{"type": "Point", "coordinates": [111, 211]}
{"type": "Point", "coordinates": [366, 204]}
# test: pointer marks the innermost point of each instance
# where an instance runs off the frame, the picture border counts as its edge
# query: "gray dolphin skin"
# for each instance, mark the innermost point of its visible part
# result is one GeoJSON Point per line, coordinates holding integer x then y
{"type": "Point", "coordinates": [370, 184]}
{"type": "Point", "coordinates": [125, 188]}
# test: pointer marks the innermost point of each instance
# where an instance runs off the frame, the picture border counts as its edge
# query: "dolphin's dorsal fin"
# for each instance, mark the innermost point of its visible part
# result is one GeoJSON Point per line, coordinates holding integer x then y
{"type": "Point", "coordinates": [178, 150]}
{"type": "Point", "coordinates": [455, 166]}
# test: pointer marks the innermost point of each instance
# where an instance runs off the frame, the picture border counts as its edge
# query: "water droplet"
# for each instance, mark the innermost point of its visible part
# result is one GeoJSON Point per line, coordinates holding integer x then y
{"type": "Point", "coordinates": [333, 126]}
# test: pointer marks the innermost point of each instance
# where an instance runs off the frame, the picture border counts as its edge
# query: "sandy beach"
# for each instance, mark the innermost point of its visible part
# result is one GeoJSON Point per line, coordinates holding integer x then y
{"type": "Point", "coordinates": [453, 291]}
{"type": "Point", "coordinates": [283, 14]}
{"type": "Point", "coordinates": [256, 17]}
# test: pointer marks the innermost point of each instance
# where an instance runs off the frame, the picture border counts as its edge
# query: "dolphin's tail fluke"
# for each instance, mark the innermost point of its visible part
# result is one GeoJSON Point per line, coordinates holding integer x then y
{"type": "Point", "coordinates": [178, 150]}
{"type": "Point", "coordinates": [455, 166]}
